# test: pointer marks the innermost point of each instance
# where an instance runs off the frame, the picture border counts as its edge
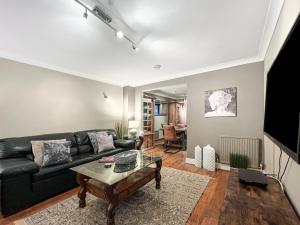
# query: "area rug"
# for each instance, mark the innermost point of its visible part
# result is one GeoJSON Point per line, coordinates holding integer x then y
{"type": "Point", "coordinates": [171, 205]}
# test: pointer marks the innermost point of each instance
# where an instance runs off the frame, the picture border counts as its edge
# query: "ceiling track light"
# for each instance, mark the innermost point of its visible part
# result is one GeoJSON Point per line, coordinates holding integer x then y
{"type": "Point", "coordinates": [105, 18]}
{"type": "Point", "coordinates": [135, 48]}
{"type": "Point", "coordinates": [120, 34]}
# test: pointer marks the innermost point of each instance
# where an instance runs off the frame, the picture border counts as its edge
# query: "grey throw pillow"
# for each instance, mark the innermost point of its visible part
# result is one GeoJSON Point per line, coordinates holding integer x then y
{"type": "Point", "coordinates": [93, 139]}
{"type": "Point", "coordinates": [38, 149]}
{"type": "Point", "coordinates": [56, 153]}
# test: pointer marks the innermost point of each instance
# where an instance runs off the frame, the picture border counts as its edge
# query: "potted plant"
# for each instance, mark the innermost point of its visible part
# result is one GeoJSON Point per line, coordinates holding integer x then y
{"type": "Point", "coordinates": [121, 130]}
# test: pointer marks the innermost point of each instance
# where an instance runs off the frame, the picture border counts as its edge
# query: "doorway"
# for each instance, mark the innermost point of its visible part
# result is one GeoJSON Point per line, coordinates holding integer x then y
{"type": "Point", "coordinates": [164, 106]}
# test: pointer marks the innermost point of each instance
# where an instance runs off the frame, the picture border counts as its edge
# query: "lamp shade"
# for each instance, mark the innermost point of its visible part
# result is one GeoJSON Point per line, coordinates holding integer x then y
{"type": "Point", "coordinates": [133, 124]}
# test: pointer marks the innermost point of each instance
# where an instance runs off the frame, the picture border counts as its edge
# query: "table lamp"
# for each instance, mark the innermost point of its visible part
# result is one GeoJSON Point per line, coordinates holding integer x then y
{"type": "Point", "coordinates": [132, 125]}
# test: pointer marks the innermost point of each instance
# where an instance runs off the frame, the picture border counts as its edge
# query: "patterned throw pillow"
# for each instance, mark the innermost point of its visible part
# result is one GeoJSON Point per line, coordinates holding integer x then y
{"type": "Point", "coordinates": [105, 142]}
{"type": "Point", "coordinates": [56, 153]}
{"type": "Point", "coordinates": [38, 149]}
{"type": "Point", "coordinates": [93, 138]}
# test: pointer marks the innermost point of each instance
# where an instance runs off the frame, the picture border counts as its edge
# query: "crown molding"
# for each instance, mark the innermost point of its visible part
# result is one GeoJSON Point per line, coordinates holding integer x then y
{"type": "Point", "coordinates": [271, 21]}
{"type": "Point", "coordinates": [203, 70]}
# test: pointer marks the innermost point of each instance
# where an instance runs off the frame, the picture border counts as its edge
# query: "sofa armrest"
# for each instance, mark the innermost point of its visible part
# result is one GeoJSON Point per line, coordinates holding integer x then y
{"type": "Point", "coordinates": [128, 144]}
{"type": "Point", "coordinates": [16, 166]}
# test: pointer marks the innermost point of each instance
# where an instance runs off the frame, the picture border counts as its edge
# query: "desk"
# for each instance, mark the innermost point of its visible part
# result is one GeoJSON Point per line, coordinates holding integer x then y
{"type": "Point", "coordinates": [250, 205]}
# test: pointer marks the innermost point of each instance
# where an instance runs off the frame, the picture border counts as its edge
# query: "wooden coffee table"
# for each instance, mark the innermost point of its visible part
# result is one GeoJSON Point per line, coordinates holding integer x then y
{"type": "Point", "coordinates": [114, 187]}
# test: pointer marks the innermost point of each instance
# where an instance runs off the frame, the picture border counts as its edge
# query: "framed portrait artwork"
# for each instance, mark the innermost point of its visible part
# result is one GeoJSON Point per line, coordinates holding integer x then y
{"type": "Point", "coordinates": [221, 102]}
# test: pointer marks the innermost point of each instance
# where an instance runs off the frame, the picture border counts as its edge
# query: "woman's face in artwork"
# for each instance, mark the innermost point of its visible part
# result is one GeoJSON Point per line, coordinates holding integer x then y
{"type": "Point", "coordinates": [219, 99]}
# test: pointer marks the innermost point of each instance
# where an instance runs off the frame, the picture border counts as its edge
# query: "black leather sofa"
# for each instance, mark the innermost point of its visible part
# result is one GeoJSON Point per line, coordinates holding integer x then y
{"type": "Point", "coordinates": [23, 183]}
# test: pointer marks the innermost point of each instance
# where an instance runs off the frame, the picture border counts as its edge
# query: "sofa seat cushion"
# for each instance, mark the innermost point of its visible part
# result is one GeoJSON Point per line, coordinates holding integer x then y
{"type": "Point", "coordinates": [99, 155]}
{"type": "Point", "coordinates": [51, 171]}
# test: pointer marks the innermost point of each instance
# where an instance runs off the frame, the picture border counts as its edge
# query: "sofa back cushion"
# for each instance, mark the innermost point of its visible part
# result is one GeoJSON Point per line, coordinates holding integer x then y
{"type": "Point", "coordinates": [19, 147]}
{"type": "Point", "coordinates": [85, 149]}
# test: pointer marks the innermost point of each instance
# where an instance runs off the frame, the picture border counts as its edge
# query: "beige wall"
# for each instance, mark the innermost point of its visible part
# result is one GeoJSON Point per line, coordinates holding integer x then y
{"type": "Point", "coordinates": [288, 16]}
{"type": "Point", "coordinates": [249, 81]}
{"type": "Point", "coordinates": [34, 100]}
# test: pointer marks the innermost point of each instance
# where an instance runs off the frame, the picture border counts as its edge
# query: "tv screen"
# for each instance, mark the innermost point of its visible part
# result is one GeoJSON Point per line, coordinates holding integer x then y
{"type": "Point", "coordinates": [283, 96]}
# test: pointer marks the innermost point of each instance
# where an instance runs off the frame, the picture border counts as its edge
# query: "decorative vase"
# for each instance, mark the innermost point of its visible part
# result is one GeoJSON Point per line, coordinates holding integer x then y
{"type": "Point", "coordinates": [198, 156]}
{"type": "Point", "coordinates": [209, 158]}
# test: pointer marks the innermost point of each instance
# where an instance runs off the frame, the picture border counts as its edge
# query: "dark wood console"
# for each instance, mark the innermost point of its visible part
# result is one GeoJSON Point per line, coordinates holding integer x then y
{"type": "Point", "coordinates": [249, 205]}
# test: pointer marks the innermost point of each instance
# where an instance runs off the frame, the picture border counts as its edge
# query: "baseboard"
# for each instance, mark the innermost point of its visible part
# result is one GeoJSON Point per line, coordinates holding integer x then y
{"type": "Point", "coordinates": [190, 161]}
{"type": "Point", "coordinates": [218, 165]}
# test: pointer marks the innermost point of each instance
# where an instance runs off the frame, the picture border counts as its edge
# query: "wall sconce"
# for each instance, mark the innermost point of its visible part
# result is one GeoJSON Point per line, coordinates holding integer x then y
{"type": "Point", "coordinates": [104, 95]}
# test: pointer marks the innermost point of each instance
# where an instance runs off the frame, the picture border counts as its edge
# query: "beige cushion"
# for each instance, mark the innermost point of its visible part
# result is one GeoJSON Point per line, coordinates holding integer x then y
{"type": "Point", "coordinates": [38, 149]}
{"type": "Point", "coordinates": [105, 142]}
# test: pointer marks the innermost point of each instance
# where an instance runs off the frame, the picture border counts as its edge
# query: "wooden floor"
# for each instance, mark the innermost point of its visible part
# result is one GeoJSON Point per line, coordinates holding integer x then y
{"type": "Point", "coordinates": [206, 212]}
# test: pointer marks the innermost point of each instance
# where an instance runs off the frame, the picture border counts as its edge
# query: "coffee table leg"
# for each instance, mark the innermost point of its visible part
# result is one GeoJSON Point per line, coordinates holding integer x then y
{"type": "Point", "coordinates": [158, 176]}
{"type": "Point", "coordinates": [111, 211]}
{"type": "Point", "coordinates": [82, 180]}
{"type": "Point", "coordinates": [112, 199]}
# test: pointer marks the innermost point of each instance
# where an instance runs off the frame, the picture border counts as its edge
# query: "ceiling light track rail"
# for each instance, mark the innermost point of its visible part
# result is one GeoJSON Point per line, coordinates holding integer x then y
{"type": "Point", "coordinates": [97, 12]}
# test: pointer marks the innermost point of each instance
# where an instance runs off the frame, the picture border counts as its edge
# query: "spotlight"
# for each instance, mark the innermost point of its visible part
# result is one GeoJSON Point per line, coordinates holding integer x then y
{"type": "Point", "coordinates": [102, 15]}
{"type": "Point", "coordinates": [135, 48]}
{"type": "Point", "coordinates": [85, 14]}
{"type": "Point", "coordinates": [120, 34]}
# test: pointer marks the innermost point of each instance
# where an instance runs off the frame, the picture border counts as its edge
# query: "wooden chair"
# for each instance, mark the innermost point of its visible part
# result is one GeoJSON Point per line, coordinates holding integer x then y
{"type": "Point", "coordinates": [171, 138]}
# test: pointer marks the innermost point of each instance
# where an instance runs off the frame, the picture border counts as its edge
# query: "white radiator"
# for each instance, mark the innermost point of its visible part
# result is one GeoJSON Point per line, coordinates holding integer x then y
{"type": "Point", "coordinates": [240, 145]}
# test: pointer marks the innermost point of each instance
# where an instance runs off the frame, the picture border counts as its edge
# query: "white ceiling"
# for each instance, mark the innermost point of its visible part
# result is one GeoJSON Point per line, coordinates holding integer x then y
{"type": "Point", "coordinates": [185, 37]}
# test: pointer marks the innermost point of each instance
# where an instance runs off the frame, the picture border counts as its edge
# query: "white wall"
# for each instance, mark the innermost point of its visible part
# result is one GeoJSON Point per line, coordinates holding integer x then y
{"type": "Point", "coordinates": [34, 101]}
{"type": "Point", "coordinates": [288, 16]}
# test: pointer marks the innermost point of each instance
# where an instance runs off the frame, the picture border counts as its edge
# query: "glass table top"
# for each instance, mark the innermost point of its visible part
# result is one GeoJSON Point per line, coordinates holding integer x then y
{"type": "Point", "coordinates": [96, 170]}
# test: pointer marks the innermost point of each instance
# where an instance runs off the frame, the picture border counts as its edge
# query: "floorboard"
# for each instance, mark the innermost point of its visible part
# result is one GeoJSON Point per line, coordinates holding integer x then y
{"type": "Point", "coordinates": [206, 211]}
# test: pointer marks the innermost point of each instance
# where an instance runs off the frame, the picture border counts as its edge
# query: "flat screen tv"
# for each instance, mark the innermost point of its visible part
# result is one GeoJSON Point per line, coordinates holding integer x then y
{"type": "Point", "coordinates": [282, 109]}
